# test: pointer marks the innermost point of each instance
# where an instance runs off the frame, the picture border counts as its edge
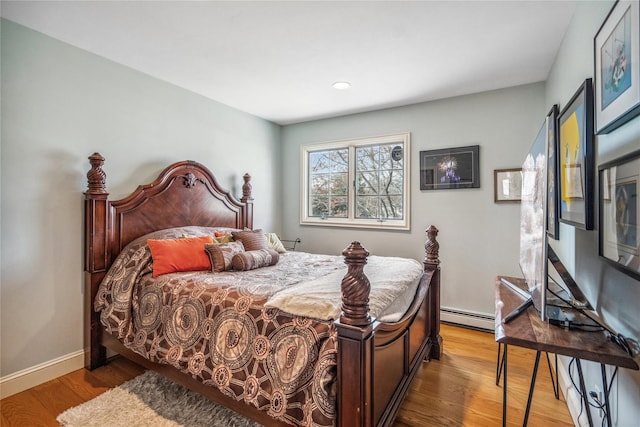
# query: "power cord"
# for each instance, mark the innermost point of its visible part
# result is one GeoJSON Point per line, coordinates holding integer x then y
{"type": "Point", "coordinates": [575, 386]}
{"type": "Point", "coordinates": [615, 337]}
{"type": "Point", "coordinates": [599, 404]}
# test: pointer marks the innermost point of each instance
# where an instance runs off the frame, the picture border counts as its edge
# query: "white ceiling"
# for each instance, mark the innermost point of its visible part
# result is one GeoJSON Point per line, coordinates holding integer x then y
{"type": "Point", "coordinates": [278, 60]}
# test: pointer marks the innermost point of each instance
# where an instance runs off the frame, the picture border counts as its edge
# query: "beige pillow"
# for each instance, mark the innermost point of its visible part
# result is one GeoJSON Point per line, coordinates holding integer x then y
{"type": "Point", "coordinates": [221, 254]}
{"type": "Point", "coordinates": [274, 243]}
{"type": "Point", "coordinates": [250, 260]}
{"type": "Point", "coordinates": [252, 240]}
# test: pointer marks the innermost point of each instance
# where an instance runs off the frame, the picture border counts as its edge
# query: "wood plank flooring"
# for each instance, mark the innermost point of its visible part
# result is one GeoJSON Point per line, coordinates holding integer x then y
{"type": "Point", "coordinates": [458, 390]}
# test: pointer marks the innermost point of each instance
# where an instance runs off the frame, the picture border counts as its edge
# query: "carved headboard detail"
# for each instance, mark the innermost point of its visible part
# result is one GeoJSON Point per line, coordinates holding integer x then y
{"type": "Point", "coordinates": [187, 188]}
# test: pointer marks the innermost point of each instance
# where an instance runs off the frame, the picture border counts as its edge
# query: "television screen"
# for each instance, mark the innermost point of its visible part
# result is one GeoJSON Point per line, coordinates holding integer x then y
{"type": "Point", "coordinates": [533, 217]}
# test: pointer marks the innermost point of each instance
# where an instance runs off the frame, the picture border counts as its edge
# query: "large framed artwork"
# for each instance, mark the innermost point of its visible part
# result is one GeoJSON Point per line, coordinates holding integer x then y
{"type": "Point", "coordinates": [576, 159]}
{"type": "Point", "coordinates": [617, 67]}
{"type": "Point", "coordinates": [449, 168]}
{"type": "Point", "coordinates": [619, 240]}
{"type": "Point", "coordinates": [553, 201]}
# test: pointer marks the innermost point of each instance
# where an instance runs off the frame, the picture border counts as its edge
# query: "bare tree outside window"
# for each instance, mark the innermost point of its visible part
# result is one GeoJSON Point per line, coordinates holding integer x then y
{"type": "Point", "coordinates": [329, 173]}
{"type": "Point", "coordinates": [379, 183]}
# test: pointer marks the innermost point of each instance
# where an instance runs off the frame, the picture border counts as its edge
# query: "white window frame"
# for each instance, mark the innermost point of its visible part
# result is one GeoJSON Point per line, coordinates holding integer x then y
{"type": "Point", "coordinates": [351, 221]}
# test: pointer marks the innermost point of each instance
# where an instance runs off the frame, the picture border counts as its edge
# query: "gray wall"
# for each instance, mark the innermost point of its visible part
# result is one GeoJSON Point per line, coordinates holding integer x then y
{"type": "Point", "coordinates": [478, 238]}
{"type": "Point", "coordinates": [615, 295]}
{"type": "Point", "coordinates": [59, 105]}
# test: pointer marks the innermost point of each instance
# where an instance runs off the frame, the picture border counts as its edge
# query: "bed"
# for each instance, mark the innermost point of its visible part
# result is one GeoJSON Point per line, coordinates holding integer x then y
{"type": "Point", "coordinates": [357, 368]}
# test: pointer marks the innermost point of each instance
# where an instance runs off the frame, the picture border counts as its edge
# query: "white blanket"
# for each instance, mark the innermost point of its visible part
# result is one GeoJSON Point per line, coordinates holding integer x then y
{"type": "Point", "coordinates": [393, 286]}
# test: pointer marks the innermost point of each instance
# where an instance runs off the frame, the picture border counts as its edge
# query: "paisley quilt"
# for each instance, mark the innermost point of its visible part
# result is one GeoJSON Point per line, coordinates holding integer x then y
{"type": "Point", "coordinates": [221, 329]}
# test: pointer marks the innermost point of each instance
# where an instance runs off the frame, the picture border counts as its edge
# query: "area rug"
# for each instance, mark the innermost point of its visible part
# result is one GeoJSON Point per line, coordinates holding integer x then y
{"type": "Point", "coordinates": [151, 400]}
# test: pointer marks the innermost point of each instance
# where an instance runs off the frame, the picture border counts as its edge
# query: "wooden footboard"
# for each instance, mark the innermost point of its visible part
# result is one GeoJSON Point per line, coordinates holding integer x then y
{"type": "Point", "coordinates": [376, 361]}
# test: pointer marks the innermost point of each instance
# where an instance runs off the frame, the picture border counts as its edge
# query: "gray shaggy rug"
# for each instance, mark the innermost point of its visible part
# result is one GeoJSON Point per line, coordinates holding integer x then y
{"type": "Point", "coordinates": [151, 400]}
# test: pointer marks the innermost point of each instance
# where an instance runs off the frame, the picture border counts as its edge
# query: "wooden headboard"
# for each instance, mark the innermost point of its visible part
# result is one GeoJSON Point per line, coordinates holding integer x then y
{"type": "Point", "coordinates": [185, 193]}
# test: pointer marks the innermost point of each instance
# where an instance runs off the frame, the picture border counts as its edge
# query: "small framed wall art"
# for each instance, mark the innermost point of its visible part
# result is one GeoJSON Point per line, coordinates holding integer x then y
{"type": "Point", "coordinates": [619, 240]}
{"type": "Point", "coordinates": [507, 185]}
{"type": "Point", "coordinates": [576, 159]}
{"type": "Point", "coordinates": [617, 67]}
{"type": "Point", "coordinates": [450, 168]}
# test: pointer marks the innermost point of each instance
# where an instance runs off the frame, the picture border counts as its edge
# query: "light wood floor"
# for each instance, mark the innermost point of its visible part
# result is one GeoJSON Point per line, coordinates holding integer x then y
{"type": "Point", "coordinates": [458, 390]}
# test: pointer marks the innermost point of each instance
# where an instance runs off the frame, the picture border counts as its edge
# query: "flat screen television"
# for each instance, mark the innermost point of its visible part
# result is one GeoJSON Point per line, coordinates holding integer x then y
{"type": "Point", "coordinates": [553, 302]}
{"type": "Point", "coordinates": [533, 221]}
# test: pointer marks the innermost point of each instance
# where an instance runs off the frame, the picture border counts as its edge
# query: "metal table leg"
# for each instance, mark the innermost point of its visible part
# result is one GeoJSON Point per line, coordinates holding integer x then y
{"type": "Point", "coordinates": [605, 388]}
{"type": "Point", "coordinates": [499, 363]}
{"type": "Point", "coordinates": [554, 379]}
{"type": "Point", "coordinates": [504, 387]}
{"type": "Point", "coordinates": [583, 391]}
{"type": "Point", "coordinates": [531, 388]}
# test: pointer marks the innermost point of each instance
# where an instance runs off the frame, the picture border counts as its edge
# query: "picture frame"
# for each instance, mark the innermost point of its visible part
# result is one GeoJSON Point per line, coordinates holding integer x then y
{"type": "Point", "coordinates": [618, 212]}
{"type": "Point", "coordinates": [576, 159]}
{"type": "Point", "coordinates": [507, 185]}
{"type": "Point", "coordinates": [450, 168]}
{"type": "Point", "coordinates": [553, 201]}
{"type": "Point", "coordinates": [617, 67]}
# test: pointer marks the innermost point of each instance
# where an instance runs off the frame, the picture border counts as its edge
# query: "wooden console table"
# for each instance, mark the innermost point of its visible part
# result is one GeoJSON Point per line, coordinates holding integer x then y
{"type": "Point", "coordinates": [529, 331]}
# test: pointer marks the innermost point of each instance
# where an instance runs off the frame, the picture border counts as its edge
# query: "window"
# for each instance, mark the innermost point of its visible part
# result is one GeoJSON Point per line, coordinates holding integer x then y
{"type": "Point", "coordinates": [357, 183]}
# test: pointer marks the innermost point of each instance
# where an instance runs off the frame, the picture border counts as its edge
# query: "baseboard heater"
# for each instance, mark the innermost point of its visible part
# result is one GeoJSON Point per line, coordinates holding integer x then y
{"type": "Point", "coordinates": [467, 318]}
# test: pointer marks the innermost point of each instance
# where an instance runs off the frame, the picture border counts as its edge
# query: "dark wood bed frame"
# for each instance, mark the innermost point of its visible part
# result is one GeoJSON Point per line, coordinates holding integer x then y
{"type": "Point", "coordinates": [376, 361]}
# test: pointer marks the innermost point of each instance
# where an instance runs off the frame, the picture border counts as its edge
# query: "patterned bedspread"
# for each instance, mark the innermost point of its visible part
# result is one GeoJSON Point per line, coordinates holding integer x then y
{"type": "Point", "coordinates": [218, 328]}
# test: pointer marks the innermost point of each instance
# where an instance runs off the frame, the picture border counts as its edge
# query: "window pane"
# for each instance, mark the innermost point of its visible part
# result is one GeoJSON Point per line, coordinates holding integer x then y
{"type": "Point", "coordinates": [319, 206]}
{"type": "Point", "coordinates": [367, 183]}
{"type": "Point", "coordinates": [318, 162]}
{"type": "Point", "coordinates": [339, 160]}
{"type": "Point", "coordinates": [391, 182]}
{"type": "Point", "coordinates": [319, 184]}
{"type": "Point", "coordinates": [367, 158]}
{"type": "Point", "coordinates": [367, 207]}
{"type": "Point", "coordinates": [339, 207]}
{"type": "Point", "coordinates": [380, 181]}
{"type": "Point", "coordinates": [339, 183]}
{"type": "Point", "coordinates": [391, 207]}
{"type": "Point", "coordinates": [328, 183]}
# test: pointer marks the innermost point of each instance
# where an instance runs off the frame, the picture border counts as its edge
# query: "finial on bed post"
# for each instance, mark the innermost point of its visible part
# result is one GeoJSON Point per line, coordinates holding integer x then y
{"type": "Point", "coordinates": [355, 287]}
{"type": "Point", "coordinates": [432, 248]}
{"type": "Point", "coordinates": [246, 188]}
{"type": "Point", "coordinates": [96, 177]}
{"type": "Point", "coordinates": [247, 199]}
{"type": "Point", "coordinates": [432, 264]}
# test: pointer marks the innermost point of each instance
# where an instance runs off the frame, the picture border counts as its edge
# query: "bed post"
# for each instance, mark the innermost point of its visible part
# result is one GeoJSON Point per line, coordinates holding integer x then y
{"type": "Point", "coordinates": [247, 199]}
{"type": "Point", "coordinates": [432, 263]}
{"type": "Point", "coordinates": [96, 253]}
{"type": "Point", "coordinates": [355, 343]}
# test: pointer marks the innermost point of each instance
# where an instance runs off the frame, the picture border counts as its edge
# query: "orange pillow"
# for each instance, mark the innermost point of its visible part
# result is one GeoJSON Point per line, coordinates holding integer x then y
{"type": "Point", "coordinates": [186, 254]}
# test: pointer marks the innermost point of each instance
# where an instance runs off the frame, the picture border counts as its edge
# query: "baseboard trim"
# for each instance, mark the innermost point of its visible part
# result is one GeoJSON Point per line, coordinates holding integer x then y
{"type": "Point", "coordinates": [467, 318]}
{"type": "Point", "coordinates": [36, 375]}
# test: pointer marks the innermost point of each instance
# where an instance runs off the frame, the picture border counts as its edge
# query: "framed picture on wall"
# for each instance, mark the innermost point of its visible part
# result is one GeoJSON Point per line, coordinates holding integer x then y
{"type": "Point", "coordinates": [619, 239]}
{"type": "Point", "coordinates": [576, 159]}
{"type": "Point", "coordinates": [617, 67]}
{"type": "Point", "coordinates": [507, 185]}
{"type": "Point", "coordinates": [553, 201]}
{"type": "Point", "coordinates": [450, 168]}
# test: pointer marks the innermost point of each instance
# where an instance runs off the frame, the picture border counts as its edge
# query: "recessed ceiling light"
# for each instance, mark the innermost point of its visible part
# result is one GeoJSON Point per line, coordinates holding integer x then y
{"type": "Point", "coordinates": [341, 85]}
